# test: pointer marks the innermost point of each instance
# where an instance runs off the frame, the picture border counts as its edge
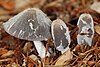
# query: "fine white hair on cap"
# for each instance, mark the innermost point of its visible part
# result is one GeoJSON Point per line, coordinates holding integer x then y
{"type": "Point", "coordinates": [60, 34]}
{"type": "Point", "coordinates": [29, 24]}
{"type": "Point", "coordinates": [86, 29]}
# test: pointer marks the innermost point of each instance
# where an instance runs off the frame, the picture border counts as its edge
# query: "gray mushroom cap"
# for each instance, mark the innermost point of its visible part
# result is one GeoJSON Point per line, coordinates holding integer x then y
{"type": "Point", "coordinates": [60, 34]}
{"type": "Point", "coordinates": [86, 29]}
{"type": "Point", "coordinates": [31, 24]}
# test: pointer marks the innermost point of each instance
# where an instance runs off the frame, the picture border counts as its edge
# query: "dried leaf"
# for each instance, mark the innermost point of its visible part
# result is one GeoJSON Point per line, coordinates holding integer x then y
{"type": "Point", "coordinates": [4, 17]}
{"type": "Point", "coordinates": [91, 62]}
{"type": "Point", "coordinates": [13, 65]}
{"type": "Point", "coordinates": [8, 4]}
{"type": "Point", "coordinates": [95, 6]}
{"type": "Point", "coordinates": [28, 3]}
{"type": "Point", "coordinates": [97, 28]}
{"type": "Point", "coordinates": [3, 51]}
{"type": "Point", "coordinates": [22, 3]}
{"type": "Point", "coordinates": [34, 57]}
{"type": "Point", "coordinates": [63, 58]}
{"type": "Point", "coordinates": [9, 53]}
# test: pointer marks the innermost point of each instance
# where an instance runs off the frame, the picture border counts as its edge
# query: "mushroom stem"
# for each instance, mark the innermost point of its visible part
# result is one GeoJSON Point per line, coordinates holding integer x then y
{"type": "Point", "coordinates": [41, 49]}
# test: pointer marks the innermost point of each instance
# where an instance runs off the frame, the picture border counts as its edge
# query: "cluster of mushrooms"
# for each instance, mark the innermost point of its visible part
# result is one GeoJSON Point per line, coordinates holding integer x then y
{"type": "Point", "coordinates": [34, 25]}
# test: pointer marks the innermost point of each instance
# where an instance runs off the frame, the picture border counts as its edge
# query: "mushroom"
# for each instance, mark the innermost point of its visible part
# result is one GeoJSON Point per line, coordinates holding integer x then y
{"type": "Point", "coordinates": [86, 29]}
{"type": "Point", "coordinates": [31, 24]}
{"type": "Point", "coordinates": [60, 35]}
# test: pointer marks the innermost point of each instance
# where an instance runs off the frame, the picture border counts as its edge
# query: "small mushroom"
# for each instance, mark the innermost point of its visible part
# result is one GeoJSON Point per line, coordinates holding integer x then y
{"type": "Point", "coordinates": [86, 29]}
{"type": "Point", "coordinates": [31, 24]}
{"type": "Point", "coordinates": [60, 35]}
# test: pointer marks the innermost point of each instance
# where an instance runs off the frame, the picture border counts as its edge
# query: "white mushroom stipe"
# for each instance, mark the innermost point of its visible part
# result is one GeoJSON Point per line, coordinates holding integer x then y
{"type": "Point", "coordinates": [41, 49]}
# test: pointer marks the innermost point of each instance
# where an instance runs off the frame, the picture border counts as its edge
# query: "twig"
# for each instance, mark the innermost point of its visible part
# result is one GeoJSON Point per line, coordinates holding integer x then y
{"type": "Point", "coordinates": [97, 63]}
{"type": "Point", "coordinates": [75, 61]}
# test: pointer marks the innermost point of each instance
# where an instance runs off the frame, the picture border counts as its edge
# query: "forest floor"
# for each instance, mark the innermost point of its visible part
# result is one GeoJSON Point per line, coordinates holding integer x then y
{"type": "Point", "coordinates": [14, 52]}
